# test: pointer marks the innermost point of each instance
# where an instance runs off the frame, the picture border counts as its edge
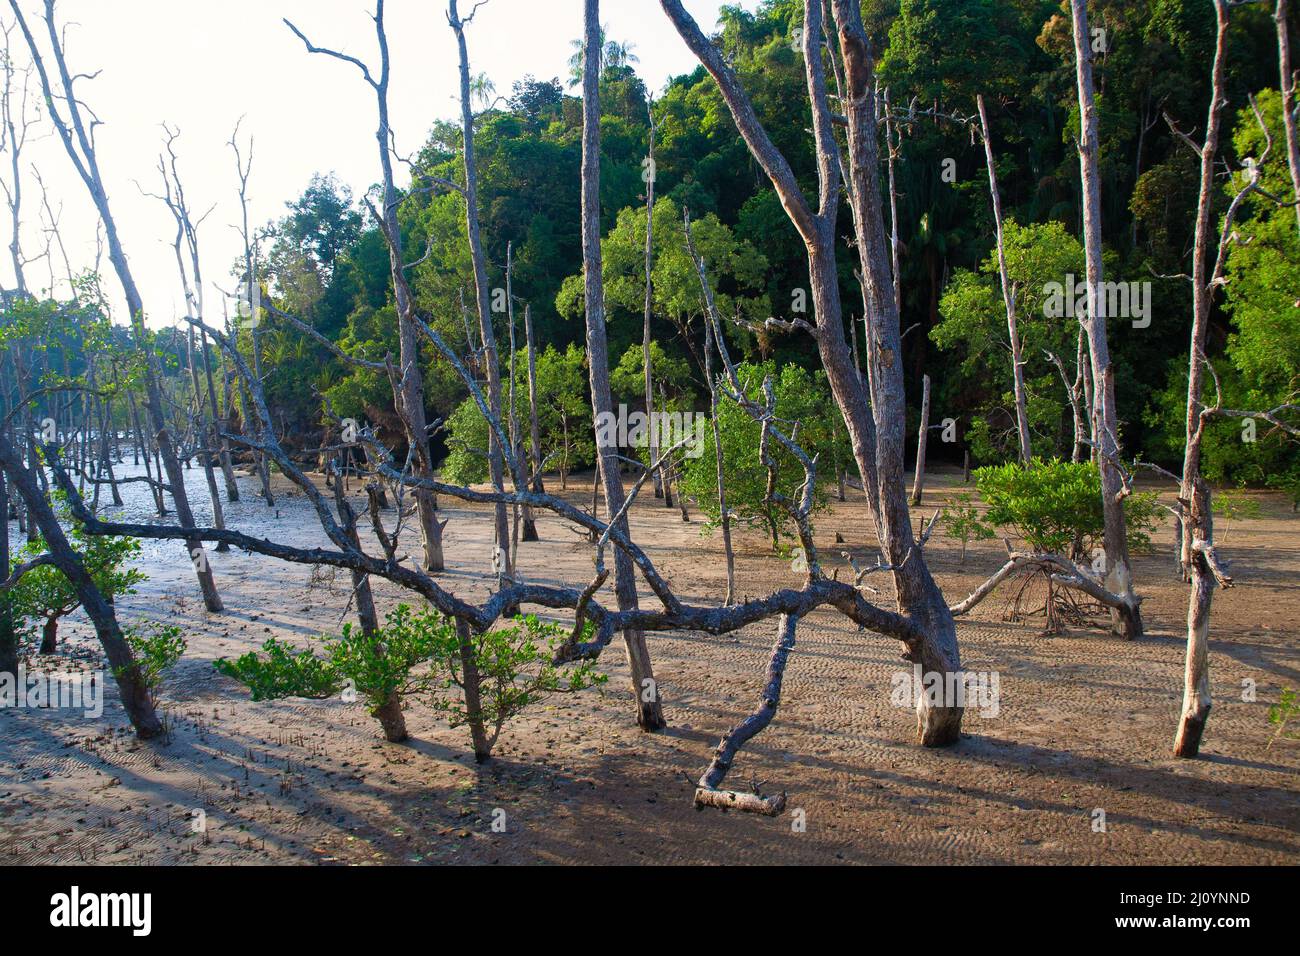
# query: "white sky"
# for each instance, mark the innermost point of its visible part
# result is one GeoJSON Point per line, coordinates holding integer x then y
{"type": "Point", "coordinates": [200, 65]}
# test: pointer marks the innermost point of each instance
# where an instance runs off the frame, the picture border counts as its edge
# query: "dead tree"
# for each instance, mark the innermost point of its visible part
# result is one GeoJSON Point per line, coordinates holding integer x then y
{"type": "Point", "coordinates": [1197, 556]}
{"type": "Point", "coordinates": [892, 147]}
{"type": "Point", "coordinates": [516, 433]}
{"type": "Point", "coordinates": [918, 479]}
{"type": "Point", "coordinates": [724, 514]}
{"type": "Point", "coordinates": [1119, 576]}
{"type": "Point", "coordinates": [76, 135]}
{"type": "Point", "coordinates": [13, 137]}
{"type": "Point", "coordinates": [661, 489]}
{"type": "Point", "coordinates": [534, 428]}
{"type": "Point", "coordinates": [409, 382]}
{"type": "Point", "coordinates": [1008, 297]}
{"type": "Point", "coordinates": [490, 362]}
{"type": "Point", "coordinates": [644, 688]}
{"type": "Point", "coordinates": [876, 422]}
{"type": "Point", "coordinates": [252, 316]}
{"type": "Point", "coordinates": [186, 246]}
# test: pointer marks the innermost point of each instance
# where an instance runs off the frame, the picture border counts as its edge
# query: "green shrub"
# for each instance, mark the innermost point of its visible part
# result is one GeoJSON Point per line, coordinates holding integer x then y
{"type": "Point", "coordinates": [1287, 707]}
{"type": "Point", "coordinates": [44, 595]}
{"type": "Point", "coordinates": [157, 647]}
{"type": "Point", "coordinates": [282, 672]}
{"type": "Point", "coordinates": [515, 670]}
{"type": "Point", "coordinates": [1055, 506]}
{"type": "Point", "coordinates": [514, 664]}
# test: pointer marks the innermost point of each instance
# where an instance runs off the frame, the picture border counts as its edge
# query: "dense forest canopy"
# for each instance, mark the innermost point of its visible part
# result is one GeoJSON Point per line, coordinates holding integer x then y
{"type": "Point", "coordinates": [325, 260]}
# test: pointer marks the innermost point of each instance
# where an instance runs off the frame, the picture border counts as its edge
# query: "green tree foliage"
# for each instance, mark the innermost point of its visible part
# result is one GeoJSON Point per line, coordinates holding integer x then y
{"type": "Point", "coordinates": [1055, 506]}
{"type": "Point", "coordinates": [974, 326]}
{"type": "Point", "coordinates": [43, 595]}
{"type": "Point", "coordinates": [800, 397]}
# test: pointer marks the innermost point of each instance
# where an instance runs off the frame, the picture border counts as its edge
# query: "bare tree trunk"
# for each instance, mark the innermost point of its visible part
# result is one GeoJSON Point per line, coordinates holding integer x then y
{"type": "Point", "coordinates": [1008, 298]}
{"type": "Point", "coordinates": [408, 382]}
{"type": "Point", "coordinates": [1288, 101]}
{"type": "Point", "coordinates": [725, 516]}
{"type": "Point", "coordinates": [81, 150]}
{"type": "Point", "coordinates": [1080, 404]}
{"type": "Point", "coordinates": [646, 364]}
{"type": "Point", "coordinates": [890, 149]}
{"type": "Point", "coordinates": [1196, 671]}
{"type": "Point", "coordinates": [216, 422]}
{"type": "Point", "coordinates": [516, 433]}
{"type": "Point", "coordinates": [205, 430]}
{"type": "Point", "coordinates": [918, 480]}
{"type": "Point", "coordinates": [1119, 577]}
{"type": "Point", "coordinates": [1197, 530]}
{"type": "Point", "coordinates": [8, 632]}
{"type": "Point", "coordinates": [535, 432]}
{"type": "Point", "coordinates": [490, 362]}
{"type": "Point", "coordinates": [470, 687]}
{"type": "Point", "coordinates": [645, 690]}
{"type": "Point", "coordinates": [135, 694]}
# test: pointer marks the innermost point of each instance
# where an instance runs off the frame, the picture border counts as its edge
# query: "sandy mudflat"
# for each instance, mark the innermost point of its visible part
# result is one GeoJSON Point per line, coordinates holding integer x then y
{"type": "Point", "coordinates": [1086, 721]}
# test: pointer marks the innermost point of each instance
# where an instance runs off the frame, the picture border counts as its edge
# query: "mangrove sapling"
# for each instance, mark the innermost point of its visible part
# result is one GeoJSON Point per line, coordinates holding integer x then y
{"type": "Point", "coordinates": [157, 648]}
{"type": "Point", "coordinates": [417, 654]}
{"type": "Point", "coordinates": [961, 522]}
{"type": "Point", "coordinates": [513, 669]}
{"type": "Point", "coordinates": [1279, 714]}
{"type": "Point", "coordinates": [45, 595]}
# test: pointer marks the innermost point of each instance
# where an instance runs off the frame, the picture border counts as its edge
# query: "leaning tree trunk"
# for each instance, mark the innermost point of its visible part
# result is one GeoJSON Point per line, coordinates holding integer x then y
{"type": "Point", "coordinates": [1119, 576]}
{"type": "Point", "coordinates": [490, 363]}
{"type": "Point", "coordinates": [1008, 298]}
{"type": "Point", "coordinates": [135, 693]}
{"type": "Point", "coordinates": [724, 515]}
{"type": "Point", "coordinates": [918, 479]}
{"type": "Point", "coordinates": [646, 692]}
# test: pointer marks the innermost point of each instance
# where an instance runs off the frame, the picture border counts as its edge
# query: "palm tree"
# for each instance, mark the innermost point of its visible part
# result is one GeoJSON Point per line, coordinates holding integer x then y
{"type": "Point", "coordinates": [612, 53]}
{"type": "Point", "coordinates": [482, 89]}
